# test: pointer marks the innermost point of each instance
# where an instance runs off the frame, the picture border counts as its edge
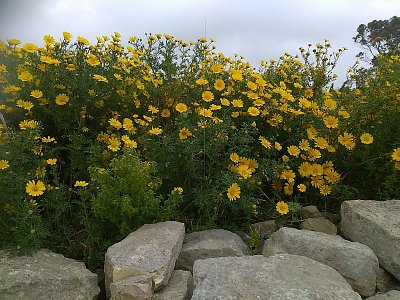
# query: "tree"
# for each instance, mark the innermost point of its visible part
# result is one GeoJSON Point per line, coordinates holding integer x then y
{"type": "Point", "coordinates": [379, 37]}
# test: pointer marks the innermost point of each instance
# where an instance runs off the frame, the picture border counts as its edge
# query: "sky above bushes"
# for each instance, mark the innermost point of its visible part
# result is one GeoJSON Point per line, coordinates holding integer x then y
{"type": "Point", "coordinates": [255, 29]}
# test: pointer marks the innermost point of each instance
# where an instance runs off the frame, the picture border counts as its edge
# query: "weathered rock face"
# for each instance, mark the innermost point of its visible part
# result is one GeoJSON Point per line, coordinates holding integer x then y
{"type": "Point", "coordinates": [150, 250]}
{"type": "Point", "coordinates": [375, 224]}
{"type": "Point", "coordinates": [180, 287]}
{"type": "Point", "coordinates": [282, 276]}
{"type": "Point", "coordinates": [354, 261]}
{"type": "Point", "coordinates": [45, 275]}
{"type": "Point", "coordinates": [310, 211]}
{"type": "Point", "coordinates": [134, 287]}
{"type": "Point", "coordinates": [319, 224]}
{"type": "Point", "coordinates": [392, 295]}
{"type": "Point", "coordinates": [266, 228]}
{"type": "Point", "coordinates": [207, 244]}
{"type": "Point", "coordinates": [385, 282]}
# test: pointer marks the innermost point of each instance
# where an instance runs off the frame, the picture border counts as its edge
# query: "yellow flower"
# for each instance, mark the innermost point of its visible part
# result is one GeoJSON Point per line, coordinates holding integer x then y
{"type": "Point", "coordinates": [30, 48]}
{"type": "Point", "coordinates": [266, 144]}
{"type": "Point", "coordinates": [48, 39]}
{"type": "Point", "coordinates": [207, 96]}
{"type": "Point", "coordinates": [114, 144]}
{"type": "Point", "coordinates": [396, 154]}
{"type": "Point", "coordinates": [347, 140]}
{"type": "Point", "coordinates": [237, 75]}
{"type": "Point", "coordinates": [25, 104]}
{"type": "Point", "coordinates": [92, 60]}
{"type": "Point", "coordinates": [13, 42]}
{"type": "Point", "coordinates": [62, 99]}
{"type": "Point", "coordinates": [4, 164]}
{"type": "Point", "coordinates": [225, 102]}
{"type": "Point", "coordinates": [313, 154]}
{"type": "Point", "coordinates": [278, 146]}
{"type": "Point", "coordinates": [233, 192]}
{"type": "Point", "coordinates": [366, 138]}
{"type": "Point", "coordinates": [155, 131]}
{"type": "Point", "coordinates": [67, 36]}
{"type": "Point", "coordinates": [330, 104]}
{"type": "Point", "coordinates": [115, 123]}
{"type": "Point", "coordinates": [48, 139]}
{"type": "Point", "coordinates": [82, 40]}
{"type": "Point", "coordinates": [302, 187]}
{"type": "Point", "coordinates": [217, 68]}
{"type": "Point", "coordinates": [35, 188]}
{"type": "Point", "coordinates": [80, 183]}
{"type": "Point", "coordinates": [36, 94]}
{"type": "Point", "coordinates": [293, 150]}
{"type": "Point", "coordinates": [52, 161]}
{"type": "Point", "coordinates": [251, 85]}
{"type": "Point", "coordinates": [244, 171]}
{"type": "Point", "coordinates": [253, 111]}
{"type": "Point", "coordinates": [308, 93]}
{"type": "Point", "coordinates": [201, 81]}
{"type": "Point", "coordinates": [234, 157]}
{"type": "Point", "coordinates": [100, 78]}
{"type": "Point", "coordinates": [331, 122]}
{"type": "Point", "coordinates": [305, 169]}
{"type": "Point", "coordinates": [165, 113]}
{"type": "Point", "coordinates": [181, 107]}
{"type": "Point", "coordinates": [177, 190]}
{"type": "Point", "coordinates": [237, 103]}
{"type": "Point", "coordinates": [325, 189]}
{"type": "Point", "coordinates": [184, 133]}
{"type": "Point", "coordinates": [321, 143]}
{"type": "Point", "coordinates": [282, 208]}
{"type": "Point", "coordinates": [219, 84]}
{"type": "Point", "coordinates": [317, 181]}
{"type": "Point", "coordinates": [25, 76]}
{"type": "Point", "coordinates": [304, 145]}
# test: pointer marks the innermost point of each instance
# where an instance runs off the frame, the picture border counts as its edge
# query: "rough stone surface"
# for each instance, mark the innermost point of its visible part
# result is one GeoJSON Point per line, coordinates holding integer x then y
{"type": "Point", "coordinates": [133, 288]}
{"type": "Point", "coordinates": [310, 211]}
{"type": "Point", "coordinates": [375, 224]}
{"type": "Point", "coordinates": [266, 228]}
{"type": "Point", "coordinates": [207, 244]}
{"type": "Point", "coordinates": [354, 261]}
{"type": "Point", "coordinates": [282, 276]}
{"type": "Point", "coordinates": [386, 282]}
{"type": "Point", "coordinates": [152, 249]}
{"type": "Point", "coordinates": [45, 275]}
{"type": "Point", "coordinates": [319, 224]}
{"type": "Point", "coordinates": [180, 287]}
{"type": "Point", "coordinates": [392, 295]}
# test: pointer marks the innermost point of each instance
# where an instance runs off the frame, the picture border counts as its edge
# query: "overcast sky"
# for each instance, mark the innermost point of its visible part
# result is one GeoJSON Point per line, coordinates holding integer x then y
{"type": "Point", "coordinates": [255, 29]}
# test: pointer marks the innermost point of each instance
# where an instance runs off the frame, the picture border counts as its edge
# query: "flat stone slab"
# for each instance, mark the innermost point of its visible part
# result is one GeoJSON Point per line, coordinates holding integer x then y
{"type": "Point", "coordinates": [354, 261]}
{"type": "Point", "coordinates": [282, 276]}
{"type": "Point", "coordinates": [377, 225]}
{"type": "Point", "coordinates": [207, 244]}
{"type": "Point", "coordinates": [180, 287]}
{"type": "Point", "coordinates": [150, 250]}
{"type": "Point", "coordinates": [45, 275]}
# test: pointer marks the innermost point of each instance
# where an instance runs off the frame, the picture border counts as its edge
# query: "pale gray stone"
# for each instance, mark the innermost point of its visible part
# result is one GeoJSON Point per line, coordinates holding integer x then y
{"type": "Point", "coordinates": [310, 211]}
{"type": "Point", "coordinates": [319, 224]}
{"type": "Point", "coordinates": [386, 282]}
{"type": "Point", "coordinates": [150, 250]}
{"type": "Point", "coordinates": [354, 261]}
{"type": "Point", "coordinates": [180, 287]}
{"type": "Point", "coordinates": [207, 244]}
{"type": "Point", "coordinates": [278, 277]}
{"type": "Point", "coordinates": [45, 275]}
{"type": "Point", "coordinates": [392, 295]}
{"type": "Point", "coordinates": [133, 288]}
{"type": "Point", "coordinates": [375, 224]}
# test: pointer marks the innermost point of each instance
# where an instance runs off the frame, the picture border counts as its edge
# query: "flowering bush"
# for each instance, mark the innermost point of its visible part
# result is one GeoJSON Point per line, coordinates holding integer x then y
{"type": "Point", "coordinates": [99, 139]}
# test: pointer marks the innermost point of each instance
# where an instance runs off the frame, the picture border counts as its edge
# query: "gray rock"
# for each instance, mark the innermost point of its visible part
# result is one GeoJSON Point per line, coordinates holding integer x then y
{"type": "Point", "coordinates": [207, 244]}
{"type": "Point", "coordinates": [134, 287]}
{"type": "Point", "coordinates": [282, 276]}
{"type": "Point", "coordinates": [375, 224]}
{"type": "Point", "coordinates": [180, 287]}
{"type": "Point", "coordinates": [310, 211]}
{"type": "Point", "coordinates": [45, 275]}
{"type": "Point", "coordinates": [319, 224]}
{"type": "Point", "coordinates": [354, 261]}
{"type": "Point", "coordinates": [150, 250]}
{"type": "Point", "coordinates": [266, 228]}
{"type": "Point", "coordinates": [386, 282]}
{"type": "Point", "coordinates": [392, 295]}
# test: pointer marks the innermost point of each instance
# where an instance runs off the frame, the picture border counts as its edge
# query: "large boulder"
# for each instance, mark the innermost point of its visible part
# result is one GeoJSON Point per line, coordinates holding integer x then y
{"type": "Point", "coordinates": [282, 276]}
{"type": "Point", "coordinates": [375, 224]}
{"type": "Point", "coordinates": [150, 250]}
{"type": "Point", "coordinates": [207, 244]}
{"type": "Point", "coordinates": [354, 261]}
{"type": "Point", "coordinates": [135, 287]}
{"type": "Point", "coordinates": [45, 275]}
{"type": "Point", "coordinates": [180, 287]}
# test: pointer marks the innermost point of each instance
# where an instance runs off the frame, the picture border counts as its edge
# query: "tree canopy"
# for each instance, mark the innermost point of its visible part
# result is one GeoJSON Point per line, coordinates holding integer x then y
{"type": "Point", "coordinates": [379, 37]}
